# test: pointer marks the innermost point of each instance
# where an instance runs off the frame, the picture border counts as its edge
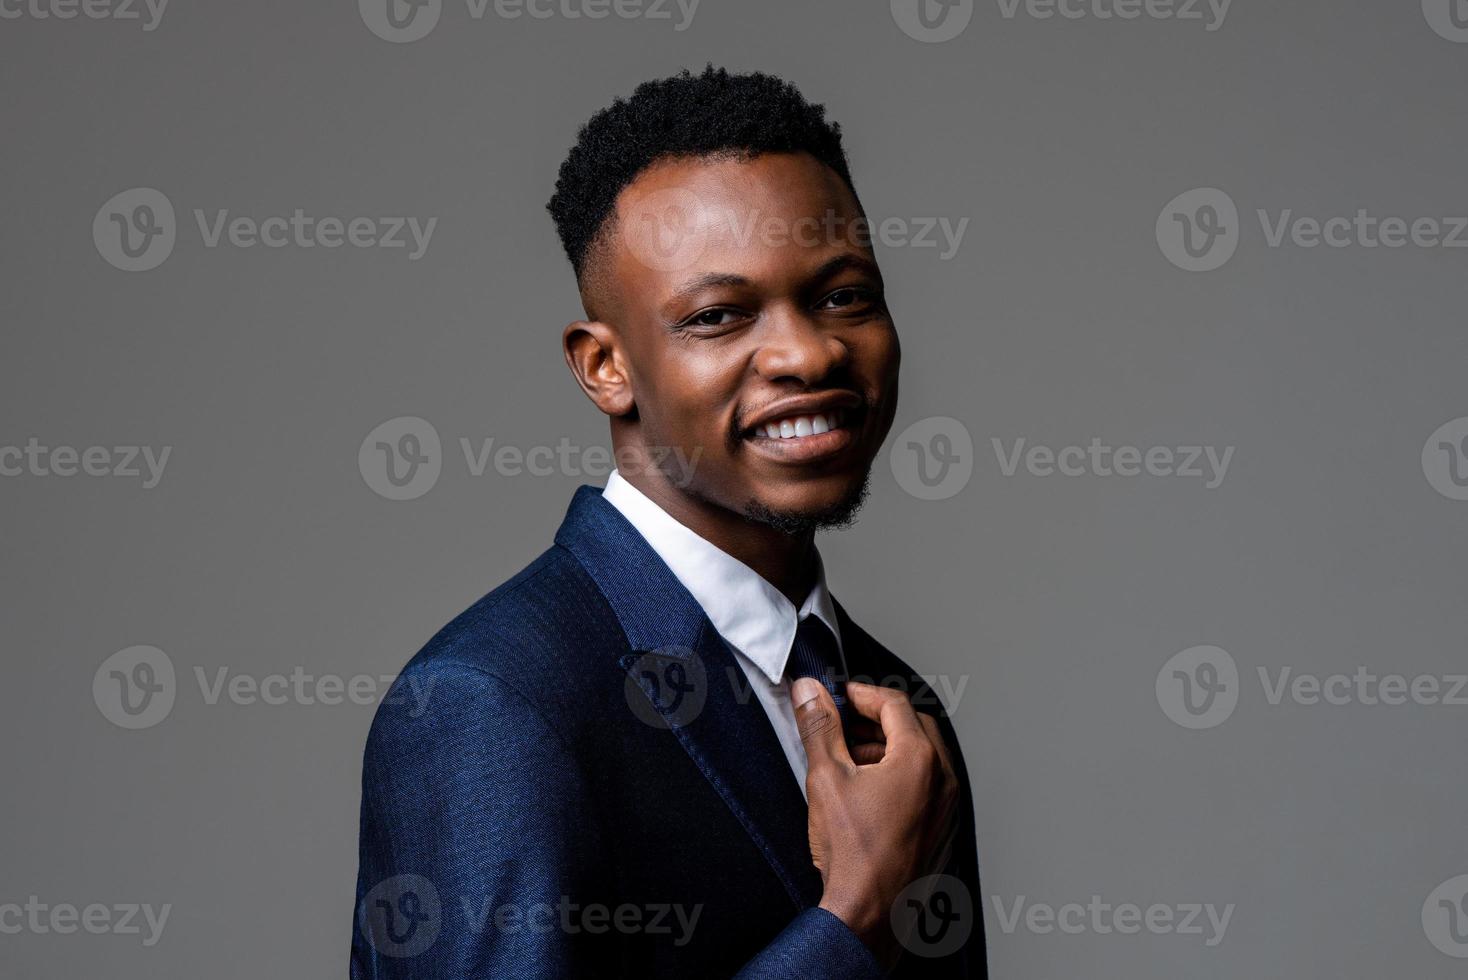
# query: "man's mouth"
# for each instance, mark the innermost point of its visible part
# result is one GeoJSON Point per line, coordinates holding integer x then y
{"type": "Point", "coordinates": [804, 437]}
{"type": "Point", "coordinates": [800, 426]}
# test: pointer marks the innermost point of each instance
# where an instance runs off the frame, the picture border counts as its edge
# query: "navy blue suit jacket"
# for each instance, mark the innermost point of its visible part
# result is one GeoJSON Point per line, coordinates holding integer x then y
{"type": "Point", "coordinates": [572, 779]}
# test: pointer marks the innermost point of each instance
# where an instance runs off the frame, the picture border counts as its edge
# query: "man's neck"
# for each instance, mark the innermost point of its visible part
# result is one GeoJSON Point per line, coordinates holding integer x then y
{"type": "Point", "coordinates": [788, 562]}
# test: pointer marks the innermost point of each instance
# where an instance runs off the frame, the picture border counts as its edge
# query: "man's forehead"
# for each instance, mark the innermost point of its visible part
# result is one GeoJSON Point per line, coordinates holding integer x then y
{"type": "Point", "coordinates": [697, 218]}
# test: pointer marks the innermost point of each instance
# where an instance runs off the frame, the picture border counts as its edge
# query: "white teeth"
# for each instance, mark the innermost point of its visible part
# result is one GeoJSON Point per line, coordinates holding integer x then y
{"type": "Point", "coordinates": [798, 426]}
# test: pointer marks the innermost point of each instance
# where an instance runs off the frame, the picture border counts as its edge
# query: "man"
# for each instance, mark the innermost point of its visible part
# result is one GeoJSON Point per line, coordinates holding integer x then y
{"type": "Point", "coordinates": [649, 754]}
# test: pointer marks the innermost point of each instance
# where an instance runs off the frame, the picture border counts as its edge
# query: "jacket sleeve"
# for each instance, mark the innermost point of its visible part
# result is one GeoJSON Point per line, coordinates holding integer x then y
{"type": "Point", "coordinates": [478, 828]}
{"type": "Point", "coordinates": [476, 836]}
{"type": "Point", "coordinates": [815, 946]}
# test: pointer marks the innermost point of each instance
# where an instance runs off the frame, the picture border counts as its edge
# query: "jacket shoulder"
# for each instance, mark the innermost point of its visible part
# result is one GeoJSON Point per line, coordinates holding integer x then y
{"type": "Point", "coordinates": [536, 624]}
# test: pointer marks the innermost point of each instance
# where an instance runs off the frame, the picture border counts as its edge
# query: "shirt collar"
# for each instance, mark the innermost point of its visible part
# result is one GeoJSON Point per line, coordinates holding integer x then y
{"type": "Point", "coordinates": [749, 613]}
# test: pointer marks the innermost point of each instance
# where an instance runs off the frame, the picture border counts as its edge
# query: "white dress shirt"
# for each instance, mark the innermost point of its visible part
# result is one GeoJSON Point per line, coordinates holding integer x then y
{"type": "Point", "coordinates": [755, 620]}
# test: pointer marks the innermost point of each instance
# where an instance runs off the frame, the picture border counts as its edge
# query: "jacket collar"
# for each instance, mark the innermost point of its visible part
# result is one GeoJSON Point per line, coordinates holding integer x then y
{"type": "Point", "coordinates": [728, 737]}
{"type": "Point", "coordinates": [747, 611]}
{"type": "Point", "coordinates": [652, 606]}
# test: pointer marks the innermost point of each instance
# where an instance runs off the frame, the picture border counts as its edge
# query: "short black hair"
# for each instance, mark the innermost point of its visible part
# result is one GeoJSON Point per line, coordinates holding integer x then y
{"type": "Point", "coordinates": [687, 115]}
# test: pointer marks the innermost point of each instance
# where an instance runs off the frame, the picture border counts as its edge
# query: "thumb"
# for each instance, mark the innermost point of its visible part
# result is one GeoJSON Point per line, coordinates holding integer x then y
{"type": "Point", "coordinates": [819, 723]}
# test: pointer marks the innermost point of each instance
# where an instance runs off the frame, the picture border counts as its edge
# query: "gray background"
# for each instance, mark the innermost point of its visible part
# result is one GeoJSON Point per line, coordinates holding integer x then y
{"type": "Point", "coordinates": [263, 549]}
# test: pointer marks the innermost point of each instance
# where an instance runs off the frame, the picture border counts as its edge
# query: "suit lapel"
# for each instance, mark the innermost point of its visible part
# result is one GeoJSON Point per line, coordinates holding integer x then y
{"type": "Point", "coordinates": [696, 688]}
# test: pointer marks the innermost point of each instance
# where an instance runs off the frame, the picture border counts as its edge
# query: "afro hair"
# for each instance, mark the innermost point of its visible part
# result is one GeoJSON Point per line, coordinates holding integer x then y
{"type": "Point", "coordinates": [710, 114]}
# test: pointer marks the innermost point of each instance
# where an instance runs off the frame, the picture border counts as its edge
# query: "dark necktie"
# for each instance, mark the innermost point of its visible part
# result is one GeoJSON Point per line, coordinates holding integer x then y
{"type": "Point", "coordinates": [815, 654]}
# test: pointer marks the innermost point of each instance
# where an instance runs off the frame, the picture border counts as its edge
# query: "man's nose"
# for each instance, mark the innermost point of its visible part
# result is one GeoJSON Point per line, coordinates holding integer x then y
{"type": "Point", "coordinates": [795, 346]}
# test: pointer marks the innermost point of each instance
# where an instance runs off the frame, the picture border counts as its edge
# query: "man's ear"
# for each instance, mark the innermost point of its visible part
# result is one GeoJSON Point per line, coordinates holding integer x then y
{"type": "Point", "coordinates": [594, 354]}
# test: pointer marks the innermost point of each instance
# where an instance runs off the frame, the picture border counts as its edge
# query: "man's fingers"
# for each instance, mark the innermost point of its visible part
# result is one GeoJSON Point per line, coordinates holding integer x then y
{"type": "Point", "coordinates": [935, 735]}
{"type": "Point", "coordinates": [868, 753]}
{"type": "Point", "coordinates": [890, 708]}
{"type": "Point", "coordinates": [859, 730]}
{"type": "Point", "coordinates": [819, 723]}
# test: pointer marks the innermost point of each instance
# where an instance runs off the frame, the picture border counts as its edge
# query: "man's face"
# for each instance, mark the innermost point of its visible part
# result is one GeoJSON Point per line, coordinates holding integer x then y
{"type": "Point", "coordinates": [752, 318]}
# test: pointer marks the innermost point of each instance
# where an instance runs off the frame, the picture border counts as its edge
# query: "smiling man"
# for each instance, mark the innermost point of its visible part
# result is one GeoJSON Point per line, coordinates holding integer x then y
{"type": "Point", "coordinates": [663, 749]}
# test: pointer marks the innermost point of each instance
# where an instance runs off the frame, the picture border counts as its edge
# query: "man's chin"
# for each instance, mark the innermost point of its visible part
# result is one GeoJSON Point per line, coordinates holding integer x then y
{"type": "Point", "coordinates": [806, 520]}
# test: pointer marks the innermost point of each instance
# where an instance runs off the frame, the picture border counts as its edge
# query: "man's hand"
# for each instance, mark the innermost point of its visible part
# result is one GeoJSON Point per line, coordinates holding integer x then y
{"type": "Point", "coordinates": [874, 828]}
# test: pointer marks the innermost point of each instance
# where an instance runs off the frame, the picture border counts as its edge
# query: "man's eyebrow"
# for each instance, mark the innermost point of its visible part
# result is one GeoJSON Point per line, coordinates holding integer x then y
{"type": "Point", "coordinates": [827, 269]}
{"type": "Point", "coordinates": [841, 263]}
{"type": "Point", "coordinates": [709, 281]}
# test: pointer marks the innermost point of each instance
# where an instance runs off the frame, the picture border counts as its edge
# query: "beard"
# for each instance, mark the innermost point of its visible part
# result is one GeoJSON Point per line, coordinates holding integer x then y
{"type": "Point", "coordinates": [799, 522]}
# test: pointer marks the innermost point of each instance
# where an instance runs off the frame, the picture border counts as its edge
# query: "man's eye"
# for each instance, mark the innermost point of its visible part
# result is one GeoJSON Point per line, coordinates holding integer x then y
{"type": "Point", "coordinates": [711, 318]}
{"type": "Point", "coordinates": [847, 298]}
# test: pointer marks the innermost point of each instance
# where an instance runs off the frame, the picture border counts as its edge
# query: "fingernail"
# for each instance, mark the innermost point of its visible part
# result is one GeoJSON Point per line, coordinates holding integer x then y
{"type": "Point", "coordinates": [804, 690]}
